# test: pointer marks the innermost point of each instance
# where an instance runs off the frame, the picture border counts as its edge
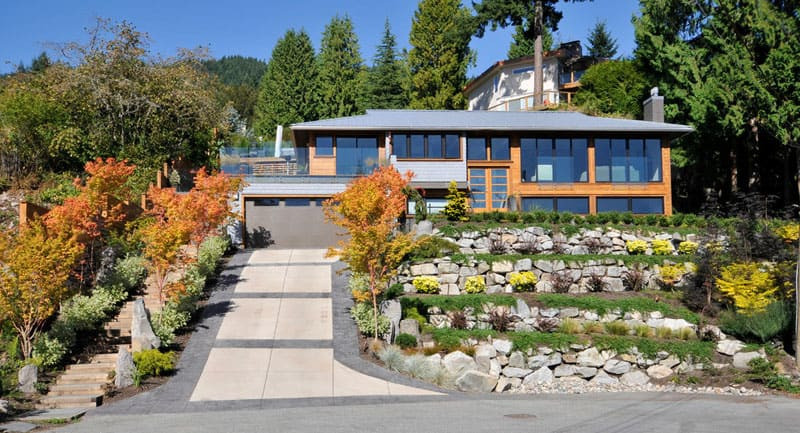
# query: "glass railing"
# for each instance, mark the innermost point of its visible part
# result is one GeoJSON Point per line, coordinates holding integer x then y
{"type": "Point", "coordinates": [260, 161]}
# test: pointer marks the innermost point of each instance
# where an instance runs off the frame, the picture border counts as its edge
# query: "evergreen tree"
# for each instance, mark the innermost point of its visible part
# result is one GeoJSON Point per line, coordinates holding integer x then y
{"type": "Point", "coordinates": [440, 54]}
{"type": "Point", "coordinates": [286, 92]}
{"type": "Point", "coordinates": [239, 79]}
{"type": "Point", "coordinates": [522, 46]}
{"type": "Point", "coordinates": [600, 42]}
{"type": "Point", "coordinates": [615, 87]}
{"type": "Point", "coordinates": [340, 83]}
{"type": "Point", "coordinates": [41, 62]}
{"type": "Point", "coordinates": [385, 84]}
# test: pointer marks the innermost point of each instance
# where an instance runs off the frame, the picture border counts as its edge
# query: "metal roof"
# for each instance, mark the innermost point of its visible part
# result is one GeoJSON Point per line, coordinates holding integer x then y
{"type": "Point", "coordinates": [481, 120]}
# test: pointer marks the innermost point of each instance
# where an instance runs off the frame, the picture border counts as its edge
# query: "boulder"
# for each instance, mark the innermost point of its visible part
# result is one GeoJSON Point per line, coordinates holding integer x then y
{"type": "Point", "coordinates": [711, 332]}
{"type": "Point", "coordinates": [424, 269]}
{"type": "Point", "coordinates": [549, 312]}
{"type": "Point", "coordinates": [523, 265]}
{"type": "Point", "coordinates": [484, 354]}
{"type": "Point", "coordinates": [538, 361]}
{"type": "Point", "coordinates": [483, 268]}
{"type": "Point", "coordinates": [494, 367]}
{"type": "Point", "coordinates": [742, 359]}
{"type": "Point", "coordinates": [670, 361]}
{"type": "Point", "coordinates": [542, 375]}
{"type": "Point", "coordinates": [456, 363]}
{"type": "Point", "coordinates": [125, 368]}
{"type": "Point", "coordinates": [27, 378]}
{"type": "Point", "coordinates": [602, 378]}
{"type": "Point", "coordinates": [467, 271]}
{"type": "Point", "coordinates": [448, 278]}
{"type": "Point", "coordinates": [569, 312]}
{"type": "Point", "coordinates": [729, 347]}
{"type": "Point", "coordinates": [544, 265]}
{"type": "Point", "coordinates": [614, 366]}
{"type": "Point", "coordinates": [516, 372]}
{"type": "Point", "coordinates": [394, 312]}
{"type": "Point", "coordinates": [586, 372]}
{"type": "Point", "coordinates": [502, 267]}
{"type": "Point", "coordinates": [590, 358]}
{"type": "Point", "coordinates": [409, 326]}
{"type": "Point", "coordinates": [4, 407]}
{"type": "Point", "coordinates": [634, 378]}
{"type": "Point", "coordinates": [475, 381]}
{"type": "Point", "coordinates": [506, 383]}
{"type": "Point", "coordinates": [142, 335]}
{"type": "Point", "coordinates": [659, 371]}
{"type": "Point", "coordinates": [564, 370]}
{"type": "Point", "coordinates": [423, 228]}
{"type": "Point", "coordinates": [521, 310]}
{"type": "Point", "coordinates": [517, 359]}
{"type": "Point", "coordinates": [503, 347]}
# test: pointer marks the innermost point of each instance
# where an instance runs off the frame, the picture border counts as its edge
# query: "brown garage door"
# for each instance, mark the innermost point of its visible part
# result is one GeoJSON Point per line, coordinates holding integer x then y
{"type": "Point", "coordinates": [287, 223]}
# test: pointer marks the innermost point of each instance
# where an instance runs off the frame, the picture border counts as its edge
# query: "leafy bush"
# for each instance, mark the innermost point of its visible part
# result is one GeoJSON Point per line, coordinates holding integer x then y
{"type": "Point", "coordinates": [49, 351]}
{"type": "Point", "coordinates": [688, 247]}
{"type": "Point", "coordinates": [789, 232]}
{"type": "Point", "coordinates": [365, 320]}
{"type": "Point", "coordinates": [764, 371]}
{"type": "Point", "coordinates": [617, 327]}
{"type": "Point", "coordinates": [431, 247]}
{"type": "Point", "coordinates": [426, 284]}
{"type": "Point", "coordinates": [413, 313]}
{"type": "Point", "coordinates": [636, 246]}
{"type": "Point", "coordinates": [749, 285]}
{"type": "Point", "coordinates": [523, 281]}
{"type": "Point", "coordinates": [662, 247]}
{"type": "Point", "coordinates": [762, 326]}
{"type": "Point", "coordinates": [405, 341]}
{"type": "Point", "coordinates": [210, 253]}
{"type": "Point", "coordinates": [457, 206]}
{"type": "Point", "coordinates": [359, 286]}
{"type": "Point", "coordinates": [153, 362]}
{"type": "Point", "coordinates": [669, 275]}
{"type": "Point", "coordinates": [63, 187]}
{"type": "Point", "coordinates": [168, 321]}
{"type": "Point", "coordinates": [475, 284]}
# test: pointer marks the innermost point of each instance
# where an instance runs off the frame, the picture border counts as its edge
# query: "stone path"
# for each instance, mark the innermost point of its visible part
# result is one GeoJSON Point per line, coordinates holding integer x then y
{"type": "Point", "coordinates": [276, 339]}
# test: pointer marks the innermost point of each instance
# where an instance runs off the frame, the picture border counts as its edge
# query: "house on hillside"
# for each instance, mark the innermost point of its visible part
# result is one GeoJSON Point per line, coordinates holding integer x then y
{"type": "Point", "coordinates": [508, 85]}
{"type": "Point", "coordinates": [524, 160]}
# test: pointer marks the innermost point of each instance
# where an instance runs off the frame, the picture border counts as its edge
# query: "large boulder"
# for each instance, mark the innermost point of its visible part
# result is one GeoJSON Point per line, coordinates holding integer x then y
{"type": "Point", "coordinates": [564, 370]}
{"type": "Point", "coordinates": [659, 371]}
{"type": "Point", "coordinates": [516, 359]}
{"type": "Point", "coordinates": [521, 310]}
{"type": "Point", "coordinates": [542, 360]}
{"type": "Point", "coordinates": [614, 366]}
{"type": "Point", "coordinates": [634, 378]}
{"type": "Point", "coordinates": [742, 360]}
{"type": "Point", "coordinates": [502, 267]}
{"type": "Point", "coordinates": [729, 347]}
{"type": "Point", "coordinates": [125, 369]}
{"type": "Point", "coordinates": [423, 228]}
{"type": "Point", "coordinates": [424, 269]}
{"type": "Point", "coordinates": [602, 378]}
{"type": "Point", "coordinates": [542, 375]}
{"type": "Point", "coordinates": [475, 381]}
{"type": "Point", "coordinates": [456, 363]}
{"type": "Point", "coordinates": [142, 335]}
{"type": "Point", "coordinates": [27, 378]}
{"type": "Point", "coordinates": [394, 312]}
{"type": "Point", "coordinates": [590, 358]}
{"type": "Point", "coordinates": [411, 327]}
{"type": "Point", "coordinates": [484, 353]}
{"type": "Point", "coordinates": [503, 347]}
{"type": "Point", "coordinates": [516, 372]}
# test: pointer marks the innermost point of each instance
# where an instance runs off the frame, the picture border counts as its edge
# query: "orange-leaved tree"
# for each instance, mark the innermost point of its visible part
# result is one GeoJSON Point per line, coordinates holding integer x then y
{"type": "Point", "coordinates": [34, 270]}
{"type": "Point", "coordinates": [162, 247]}
{"type": "Point", "coordinates": [369, 210]}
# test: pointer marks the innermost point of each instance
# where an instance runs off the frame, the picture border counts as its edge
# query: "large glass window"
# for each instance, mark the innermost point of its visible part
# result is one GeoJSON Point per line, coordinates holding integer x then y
{"type": "Point", "coordinates": [499, 188]}
{"type": "Point", "coordinates": [356, 155]}
{"type": "Point", "coordinates": [554, 160]}
{"type": "Point", "coordinates": [324, 145]}
{"type": "Point", "coordinates": [430, 146]}
{"type": "Point", "coordinates": [633, 160]}
{"type": "Point", "coordinates": [500, 149]}
{"type": "Point", "coordinates": [579, 205]}
{"type": "Point", "coordinates": [477, 187]}
{"type": "Point", "coordinates": [476, 148]}
{"type": "Point", "coordinates": [637, 205]}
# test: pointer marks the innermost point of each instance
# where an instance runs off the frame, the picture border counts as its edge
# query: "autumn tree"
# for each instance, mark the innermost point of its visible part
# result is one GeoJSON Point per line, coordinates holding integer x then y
{"type": "Point", "coordinates": [34, 270]}
{"type": "Point", "coordinates": [369, 210]}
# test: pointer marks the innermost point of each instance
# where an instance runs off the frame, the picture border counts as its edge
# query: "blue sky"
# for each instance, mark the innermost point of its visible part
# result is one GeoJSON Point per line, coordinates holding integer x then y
{"type": "Point", "coordinates": [251, 27]}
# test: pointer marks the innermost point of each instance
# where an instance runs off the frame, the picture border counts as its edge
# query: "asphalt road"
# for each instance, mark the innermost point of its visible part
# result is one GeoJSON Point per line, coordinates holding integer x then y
{"type": "Point", "coordinates": [600, 413]}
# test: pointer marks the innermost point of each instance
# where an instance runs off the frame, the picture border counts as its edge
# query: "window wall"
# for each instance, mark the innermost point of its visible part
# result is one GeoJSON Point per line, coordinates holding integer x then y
{"type": "Point", "coordinates": [554, 160]}
{"type": "Point", "coordinates": [356, 155]}
{"type": "Point", "coordinates": [637, 205]}
{"type": "Point", "coordinates": [579, 205]}
{"type": "Point", "coordinates": [499, 148]}
{"type": "Point", "coordinates": [627, 160]}
{"type": "Point", "coordinates": [426, 146]}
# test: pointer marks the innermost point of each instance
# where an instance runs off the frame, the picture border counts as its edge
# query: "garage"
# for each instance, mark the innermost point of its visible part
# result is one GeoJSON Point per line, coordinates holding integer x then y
{"type": "Point", "coordinates": [287, 222]}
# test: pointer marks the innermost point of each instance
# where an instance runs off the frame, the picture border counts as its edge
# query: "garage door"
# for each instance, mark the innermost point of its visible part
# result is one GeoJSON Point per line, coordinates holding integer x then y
{"type": "Point", "coordinates": [287, 223]}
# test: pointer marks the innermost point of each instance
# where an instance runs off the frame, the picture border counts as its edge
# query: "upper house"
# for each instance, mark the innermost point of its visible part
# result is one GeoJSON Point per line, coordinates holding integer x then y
{"type": "Point", "coordinates": [508, 85]}
{"type": "Point", "coordinates": [550, 160]}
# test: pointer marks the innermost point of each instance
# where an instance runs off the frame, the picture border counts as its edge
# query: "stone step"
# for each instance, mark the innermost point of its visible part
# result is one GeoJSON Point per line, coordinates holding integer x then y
{"type": "Point", "coordinates": [104, 357]}
{"type": "Point", "coordinates": [92, 367]}
{"type": "Point", "coordinates": [69, 401]}
{"type": "Point", "coordinates": [77, 389]}
{"type": "Point", "coordinates": [80, 377]}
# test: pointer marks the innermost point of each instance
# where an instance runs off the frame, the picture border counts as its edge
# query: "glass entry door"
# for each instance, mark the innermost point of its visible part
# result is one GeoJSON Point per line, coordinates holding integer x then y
{"type": "Point", "coordinates": [488, 188]}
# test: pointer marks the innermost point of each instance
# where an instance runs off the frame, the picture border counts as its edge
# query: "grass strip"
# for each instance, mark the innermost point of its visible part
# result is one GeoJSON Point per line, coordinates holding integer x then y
{"type": "Point", "coordinates": [602, 306]}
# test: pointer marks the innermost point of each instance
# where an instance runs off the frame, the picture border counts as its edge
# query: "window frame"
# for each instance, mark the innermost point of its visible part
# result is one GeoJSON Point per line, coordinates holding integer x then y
{"type": "Point", "coordinates": [554, 200]}
{"type": "Point", "coordinates": [629, 200]}
{"type": "Point", "coordinates": [317, 147]}
{"type": "Point", "coordinates": [646, 166]}
{"type": "Point", "coordinates": [426, 144]}
{"type": "Point", "coordinates": [554, 158]}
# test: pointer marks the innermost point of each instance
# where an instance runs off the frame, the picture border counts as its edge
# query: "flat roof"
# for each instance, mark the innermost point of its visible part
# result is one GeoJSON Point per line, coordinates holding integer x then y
{"type": "Point", "coordinates": [481, 120]}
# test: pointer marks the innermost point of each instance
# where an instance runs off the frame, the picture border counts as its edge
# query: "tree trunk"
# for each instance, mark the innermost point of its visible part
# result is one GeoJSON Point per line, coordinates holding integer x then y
{"type": "Point", "coordinates": [538, 73]}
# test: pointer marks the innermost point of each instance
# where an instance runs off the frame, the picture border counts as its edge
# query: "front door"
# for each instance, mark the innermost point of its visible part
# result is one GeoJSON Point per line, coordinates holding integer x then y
{"type": "Point", "coordinates": [488, 188]}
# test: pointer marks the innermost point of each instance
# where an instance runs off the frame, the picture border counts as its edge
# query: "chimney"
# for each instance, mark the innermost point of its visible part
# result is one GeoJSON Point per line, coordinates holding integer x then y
{"type": "Point", "coordinates": [654, 107]}
{"type": "Point", "coordinates": [279, 141]}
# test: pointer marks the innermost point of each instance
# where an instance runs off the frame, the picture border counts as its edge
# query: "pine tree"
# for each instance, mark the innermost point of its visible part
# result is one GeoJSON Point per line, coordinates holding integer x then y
{"type": "Point", "coordinates": [286, 91]}
{"type": "Point", "coordinates": [341, 71]}
{"type": "Point", "coordinates": [386, 80]}
{"type": "Point", "coordinates": [440, 54]}
{"type": "Point", "coordinates": [600, 42]}
{"type": "Point", "coordinates": [522, 46]}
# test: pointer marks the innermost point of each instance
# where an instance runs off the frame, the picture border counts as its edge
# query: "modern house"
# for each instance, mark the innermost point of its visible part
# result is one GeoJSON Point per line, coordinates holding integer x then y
{"type": "Point", "coordinates": [508, 85]}
{"type": "Point", "coordinates": [550, 160]}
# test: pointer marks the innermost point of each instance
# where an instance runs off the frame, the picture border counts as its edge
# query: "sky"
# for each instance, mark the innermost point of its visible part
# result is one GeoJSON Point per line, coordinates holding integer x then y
{"type": "Point", "coordinates": [251, 27]}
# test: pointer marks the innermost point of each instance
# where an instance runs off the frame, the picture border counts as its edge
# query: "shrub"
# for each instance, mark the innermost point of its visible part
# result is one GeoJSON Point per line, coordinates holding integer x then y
{"type": "Point", "coordinates": [153, 362]}
{"type": "Point", "coordinates": [662, 247]}
{"type": "Point", "coordinates": [528, 244]}
{"type": "Point", "coordinates": [636, 246]}
{"type": "Point", "coordinates": [458, 320]}
{"type": "Point", "coordinates": [426, 284]}
{"type": "Point", "coordinates": [499, 320]}
{"type": "Point", "coordinates": [475, 284]}
{"type": "Point", "coordinates": [523, 281]}
{"type": "Point", "coordinates": [561, 281]}
{"type": "Point", "coordinates": [569, 326]}
{"type": "Point", "coordinates": [365, 320]}
{"type": "Point", "coordinates": [633, 279]}
{"type": "Point", "coordinates": [457, 205]}
{"type": "Point", "coordinates": [596, 283]}
{"type": "Point", "coordinates": [431, 247]}
{"type": "Point", "coordinates": [210, 253]}
{"type": "Point", "coordinates": [592, 327]}
{"type": "Point", "coordinates": [643, 331]}
{"type": "Point", "coordinates": [358, 284]}
{"type": "Point", "coordinates": [48, 351]}
{"type": "Point", "coordinates": [497, 246]}
{"type": "Point", "coordinates": [687, 247]}
{"type": "Point", "coordinates": [413, 313]}
{"type": "Point", "coordinates": [762, 326]}
{"type": "Point", "coordinates": [617, 327]}
{"type": "Point", "coordinates": [130, 272]}
{"type": "Point", "coordinates": [405, 341]}
{"type": "Point", "coordinates": [669, 275]}
{"type": "Point", "coordinates": [789, 232]}
{"type": "Point", "coordinates": [664, 333]}
{"type": "Point", "coordinates": [749, 285]}
{"type": "Point", "coordinates": [168, 321]}
{"type": "Point", "coordinates": [593, 245]}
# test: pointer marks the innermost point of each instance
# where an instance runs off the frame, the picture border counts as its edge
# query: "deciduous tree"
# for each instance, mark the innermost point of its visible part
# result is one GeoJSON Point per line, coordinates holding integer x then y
{"type": "Point", "coordinates": [369, 210]}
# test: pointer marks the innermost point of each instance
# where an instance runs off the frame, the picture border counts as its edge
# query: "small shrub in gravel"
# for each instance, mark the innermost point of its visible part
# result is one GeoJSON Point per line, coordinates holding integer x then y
{"type": "Point", "coordinates": [405, 341]}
